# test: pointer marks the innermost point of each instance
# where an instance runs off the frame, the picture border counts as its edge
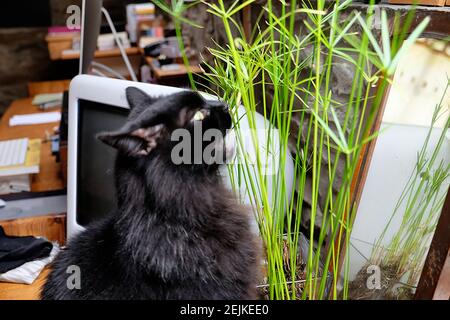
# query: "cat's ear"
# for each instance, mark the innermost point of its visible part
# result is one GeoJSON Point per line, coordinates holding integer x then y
{"type": "Point", "coordinates": [137, 97]}
{"type": "Point", "coordinates": [144, 132]}
{"type": "Point", "coordinates": [138, 142]}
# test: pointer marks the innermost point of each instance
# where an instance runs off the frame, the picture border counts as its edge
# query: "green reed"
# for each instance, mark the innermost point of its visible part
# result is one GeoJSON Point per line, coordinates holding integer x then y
{"type": "Point", "coordinates": [270, 60]}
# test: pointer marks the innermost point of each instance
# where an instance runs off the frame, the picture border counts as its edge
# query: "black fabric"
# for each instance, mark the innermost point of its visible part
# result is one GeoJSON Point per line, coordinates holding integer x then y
{"type": "Point", "coordinates": [15, 251]}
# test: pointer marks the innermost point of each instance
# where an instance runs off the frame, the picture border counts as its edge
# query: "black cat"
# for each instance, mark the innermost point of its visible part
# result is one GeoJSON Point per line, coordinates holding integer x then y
{"type": "Point", "coordinates": [178, 233]}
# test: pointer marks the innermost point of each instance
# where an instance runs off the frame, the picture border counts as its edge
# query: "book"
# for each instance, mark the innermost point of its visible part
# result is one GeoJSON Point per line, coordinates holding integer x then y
{"type": "Point", "coordinates": [31, 164]}
{"type": "Point", "coordinates": [136, 13]}
{"type": "Point", "coordinates": [108, 42]}
{"type": "Point", "coordinates": [144, 9]}
{"type": "Point", "coordinates": [17, 178]}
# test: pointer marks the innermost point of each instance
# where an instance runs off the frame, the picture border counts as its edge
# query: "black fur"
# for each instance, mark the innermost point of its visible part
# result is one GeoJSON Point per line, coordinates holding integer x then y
{"type": "Point", "coordinates": [178, 232]}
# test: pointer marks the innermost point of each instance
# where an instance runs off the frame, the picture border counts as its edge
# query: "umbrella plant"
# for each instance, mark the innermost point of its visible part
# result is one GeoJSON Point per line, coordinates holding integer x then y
{"type": "Point", "coordinates": [283, 70]}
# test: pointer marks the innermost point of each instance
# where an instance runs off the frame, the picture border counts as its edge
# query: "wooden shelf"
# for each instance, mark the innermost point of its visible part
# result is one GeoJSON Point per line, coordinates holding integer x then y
{"type": "Point", "coordinates": [181, 71]}
{"type": "Point", "coordinates": [101, 53]}
{"type": "Point", "coordinates": [439, 3]}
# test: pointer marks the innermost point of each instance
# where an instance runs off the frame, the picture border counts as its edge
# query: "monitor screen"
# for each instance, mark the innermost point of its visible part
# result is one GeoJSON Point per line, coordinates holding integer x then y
{"type": "Point", "coordinates": [95, 175]}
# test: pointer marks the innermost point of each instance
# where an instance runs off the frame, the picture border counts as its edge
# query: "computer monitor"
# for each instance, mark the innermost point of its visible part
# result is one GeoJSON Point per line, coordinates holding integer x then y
{"type": "Point", "coordinates": [97, 104]}
{"type": "Point", "coordinates": [91, 20]}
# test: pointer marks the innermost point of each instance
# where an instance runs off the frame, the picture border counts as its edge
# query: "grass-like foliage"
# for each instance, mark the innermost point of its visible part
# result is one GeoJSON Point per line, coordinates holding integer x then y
{"type": "Point", "coordinates": [420, 206]}
{"type": "Point", "coordinates": [284, 70]}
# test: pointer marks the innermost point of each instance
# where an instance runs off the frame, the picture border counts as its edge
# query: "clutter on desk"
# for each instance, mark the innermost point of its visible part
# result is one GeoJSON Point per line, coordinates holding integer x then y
{"type": "Point", "coordinates": [171, 67]}
{"type": "Point", "coordinates": [22, 259]}
{"type": "Point", "coordinates": [54, 140]}
{"type": "Point", "coordinates": [19, 159]}
{"type": "Point", "coordinates": [48, 100]}
{"type": "Point", "coordinates": [108, 42]}
{"type": "Point", "coordinates": [168, 48]}
{"type": "Point", "coordinates": [148, 43]}
{"type": "Point", "coordinates": [136, 14]}
{"type": "Point", "coordinates": [152, 32]}
{"type": "Point", "coordinates": [61, 38]}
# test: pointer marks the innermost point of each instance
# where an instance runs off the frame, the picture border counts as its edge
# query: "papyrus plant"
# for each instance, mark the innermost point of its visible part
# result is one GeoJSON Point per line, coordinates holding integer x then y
{"type": "Point", "coordinates": [287, 61]}
{"type": "Point", "coordinates": [419, 205]}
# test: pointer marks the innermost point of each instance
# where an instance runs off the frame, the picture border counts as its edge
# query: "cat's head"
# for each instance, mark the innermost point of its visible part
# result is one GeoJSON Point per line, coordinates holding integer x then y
{"type": "Point", "coordinates": [182, 128]}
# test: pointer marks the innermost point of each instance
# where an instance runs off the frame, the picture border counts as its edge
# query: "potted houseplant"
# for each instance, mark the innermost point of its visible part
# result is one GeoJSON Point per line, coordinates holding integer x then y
{"type": "Point", "coordinates": [284, 69]}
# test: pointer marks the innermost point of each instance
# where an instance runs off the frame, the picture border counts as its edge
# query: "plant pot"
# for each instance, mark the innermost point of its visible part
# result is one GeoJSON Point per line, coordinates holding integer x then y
{"type": "Point", "coordinates": [299, 282]}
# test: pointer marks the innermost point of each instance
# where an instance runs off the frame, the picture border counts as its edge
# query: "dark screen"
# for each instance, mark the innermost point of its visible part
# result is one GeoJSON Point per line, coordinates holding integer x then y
{"type": "Point", "coordinates": [95, 182]}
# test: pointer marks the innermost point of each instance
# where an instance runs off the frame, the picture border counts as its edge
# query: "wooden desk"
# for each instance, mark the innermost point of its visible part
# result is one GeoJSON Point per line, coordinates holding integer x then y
{"type": "Point", "coordinates": [39, 87]}
{"type": "Point", "coordinates": [49, 176]}
{"type": "Point", "coordinates": [15, 291]}
{"type": "Point", "coordinates": [53, 227]}
{"type": "Point", "coordinates": [102, 53]}
{"type": "Point", "coordinates": [182, 70]}
{"type": "Point", "coordinates": [57, 44]}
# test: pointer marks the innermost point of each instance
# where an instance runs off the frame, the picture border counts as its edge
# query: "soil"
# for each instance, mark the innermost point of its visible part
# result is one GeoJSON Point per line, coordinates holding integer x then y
{"type": "Point", "coordinates": [300, 272]}
{"type": "Point", "coordinates": [391, 288]}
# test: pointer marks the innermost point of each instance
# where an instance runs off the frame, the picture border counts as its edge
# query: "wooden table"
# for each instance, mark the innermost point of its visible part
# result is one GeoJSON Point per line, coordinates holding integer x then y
{"type": "Point", "coordinates": [15, 291]}
{"type": "Point", "coordinates": [102, 53]}
{"type": "Point", "coordinates": [166, 75]}
{"type": "Point", "coordinates": [58, 43]}
{"type": "Point", "coordinates": [49, 176]}
{"type": "Point", "coordinates": [53, 227]}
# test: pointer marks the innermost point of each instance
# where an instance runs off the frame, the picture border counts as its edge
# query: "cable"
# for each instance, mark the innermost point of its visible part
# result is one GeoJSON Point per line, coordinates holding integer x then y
{"type": "Point", "coordinates": [98, 73]}
{"type": "Point", "coordinates": [119, 44]}
{"type": "Point", "coordinates": [107, 69]}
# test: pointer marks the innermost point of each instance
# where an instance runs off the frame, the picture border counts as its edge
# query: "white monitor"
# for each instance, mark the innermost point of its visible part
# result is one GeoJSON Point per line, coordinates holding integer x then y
{"type": "Point", "coordinates": [99, 104]}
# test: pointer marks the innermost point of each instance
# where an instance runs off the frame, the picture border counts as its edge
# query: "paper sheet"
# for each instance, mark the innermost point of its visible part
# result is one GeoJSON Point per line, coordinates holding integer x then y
{"type": "Point", "coordinates": [35, 118]}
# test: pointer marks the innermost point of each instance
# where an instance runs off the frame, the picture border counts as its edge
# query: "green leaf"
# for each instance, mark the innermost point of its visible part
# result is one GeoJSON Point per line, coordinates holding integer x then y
{"type": "Point", "coordinates": [240, 7]}
{"type": "Point", "coordinates": [385, 39]}
{"type": "Point", "coordinates": [371, 38]}
{"type": "Point", "coordinates": [407, 44]}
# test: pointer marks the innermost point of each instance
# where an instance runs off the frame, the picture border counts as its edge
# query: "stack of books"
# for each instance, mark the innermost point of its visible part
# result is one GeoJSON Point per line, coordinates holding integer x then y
{"type": "Point", "coordinates": [137, 13]}
{"type": "Point", "coordinates": [19, 159]}
{"type": "Point", "coordinates": [108, 42]}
